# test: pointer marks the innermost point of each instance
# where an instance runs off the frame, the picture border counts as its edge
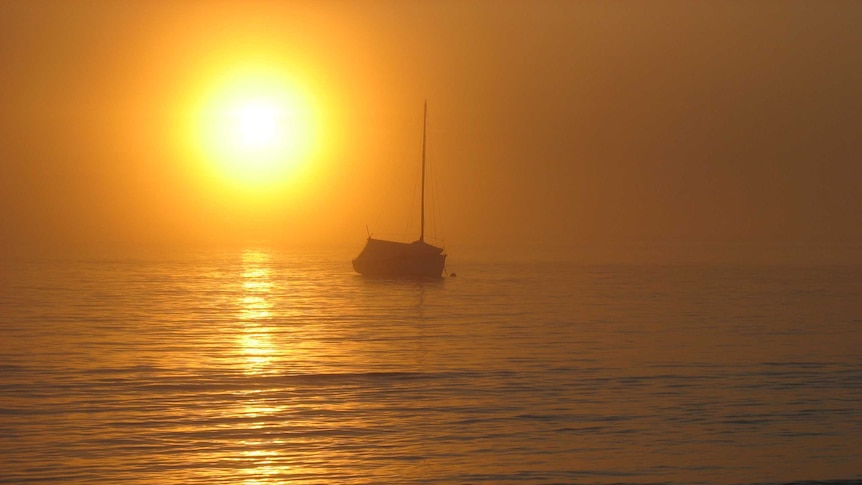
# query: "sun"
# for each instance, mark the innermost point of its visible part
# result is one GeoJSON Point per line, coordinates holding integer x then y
{"type": "Point", "coordinates": [255, 129]}
{"type": "Point", "coordinates": [259, 124]}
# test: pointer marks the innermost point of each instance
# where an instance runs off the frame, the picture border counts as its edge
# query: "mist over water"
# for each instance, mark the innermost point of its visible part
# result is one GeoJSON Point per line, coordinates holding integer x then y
{"type": "Point", "coordinates": [264, 366]}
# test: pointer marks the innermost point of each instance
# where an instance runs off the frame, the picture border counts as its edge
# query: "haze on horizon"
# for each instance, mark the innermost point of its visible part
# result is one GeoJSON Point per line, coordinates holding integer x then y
{"type": "Point", "coordinates": [554, 127]}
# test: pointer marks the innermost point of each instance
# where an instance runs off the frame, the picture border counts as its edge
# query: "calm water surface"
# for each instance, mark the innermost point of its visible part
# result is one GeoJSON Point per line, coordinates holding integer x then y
{"type": "Point", "coordinates": [264, 367]}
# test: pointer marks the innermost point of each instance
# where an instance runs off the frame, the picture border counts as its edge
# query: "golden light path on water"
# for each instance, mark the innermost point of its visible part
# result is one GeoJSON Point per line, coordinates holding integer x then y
{"type": "Point", "coordinates": [256, 312]}
{"type": "Point", "coordinates": [262, 456]}
{"type": "Point", "coordinates": [274, 344]}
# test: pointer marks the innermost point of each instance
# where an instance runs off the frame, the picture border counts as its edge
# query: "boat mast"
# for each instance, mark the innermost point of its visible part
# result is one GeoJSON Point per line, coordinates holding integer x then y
{"type": "Point", "coordinates": [424, 124]}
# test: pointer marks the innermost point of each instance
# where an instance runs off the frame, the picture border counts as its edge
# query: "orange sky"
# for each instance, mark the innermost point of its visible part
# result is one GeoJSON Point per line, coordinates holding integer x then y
{"type": "Point", "coordinates": [554, 126]}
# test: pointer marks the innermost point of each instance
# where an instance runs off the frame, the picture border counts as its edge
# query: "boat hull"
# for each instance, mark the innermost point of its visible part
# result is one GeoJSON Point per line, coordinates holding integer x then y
{"type": "Point", "coordinates": [391, 259]}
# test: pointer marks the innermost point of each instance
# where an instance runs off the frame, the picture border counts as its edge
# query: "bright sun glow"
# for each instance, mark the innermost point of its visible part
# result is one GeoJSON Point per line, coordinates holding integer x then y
{"type": "Point", "coordinates": [256, 129]}
{"type": "Point", "coordinates": [257, 124]}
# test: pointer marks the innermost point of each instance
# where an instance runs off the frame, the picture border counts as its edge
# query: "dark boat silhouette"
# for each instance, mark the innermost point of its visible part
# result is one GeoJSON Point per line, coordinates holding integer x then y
{"type": "Point", "coordinates": [393, 259]}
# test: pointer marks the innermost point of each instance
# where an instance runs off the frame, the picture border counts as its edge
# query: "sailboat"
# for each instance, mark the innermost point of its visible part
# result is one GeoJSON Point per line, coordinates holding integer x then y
{"type": "Point", "coordinates": [393, 259]}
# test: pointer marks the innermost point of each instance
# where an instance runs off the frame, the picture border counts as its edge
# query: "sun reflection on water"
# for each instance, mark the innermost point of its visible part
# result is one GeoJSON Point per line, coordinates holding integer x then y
{"type": "Point", "coordinates": [262, 459]}
{"type": "Point", "coordinates": [255, 315]}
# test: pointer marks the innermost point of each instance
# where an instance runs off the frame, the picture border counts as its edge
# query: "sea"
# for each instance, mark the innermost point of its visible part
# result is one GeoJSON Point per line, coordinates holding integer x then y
{"type": "Point", "coordinates": [267, 366]}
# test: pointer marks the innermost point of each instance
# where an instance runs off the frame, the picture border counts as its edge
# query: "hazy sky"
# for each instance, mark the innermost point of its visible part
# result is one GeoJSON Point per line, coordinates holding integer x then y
{"type": "Point", "coordinates": [553, 125]}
